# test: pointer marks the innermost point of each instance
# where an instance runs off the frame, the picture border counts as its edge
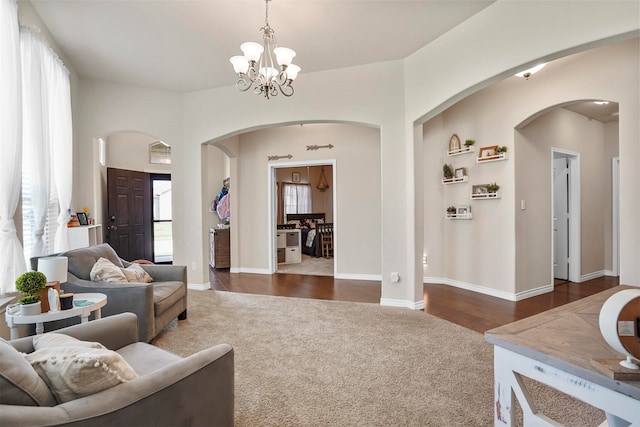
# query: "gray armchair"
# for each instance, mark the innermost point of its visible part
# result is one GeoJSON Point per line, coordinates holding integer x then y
{"type": "Point", "coordinates": [170, 391]}
{"type": "Point", "coordinates": [156, 304]}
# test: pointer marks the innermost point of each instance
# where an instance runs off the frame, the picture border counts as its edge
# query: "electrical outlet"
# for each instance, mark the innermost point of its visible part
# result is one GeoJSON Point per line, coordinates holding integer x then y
{"type": "Point", "coordinates": [193, 265]}
{"type": "Point", "coordinates": [395, 277]}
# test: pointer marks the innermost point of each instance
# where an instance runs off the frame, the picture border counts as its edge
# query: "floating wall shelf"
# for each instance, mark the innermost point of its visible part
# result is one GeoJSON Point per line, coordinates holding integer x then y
{"type": "Point", "coordinates": [463, 150]}
{"type": "Point", "coordinates": [486, 196]}
{"type": "Point", "coordinates": [494, 158]}
{"type": "Point", "coordinates": [468, 215]}
{"type": "Point", "coordinates": [455, 180]}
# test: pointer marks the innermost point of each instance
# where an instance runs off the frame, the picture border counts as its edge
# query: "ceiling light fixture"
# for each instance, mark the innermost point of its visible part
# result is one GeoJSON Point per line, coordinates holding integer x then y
{"type": "Point", "coordinates": [258, 68]}
{"type": "Point", "coordinates": [601, 102]}
{"type": "Point", "coordinates": [531, 71]}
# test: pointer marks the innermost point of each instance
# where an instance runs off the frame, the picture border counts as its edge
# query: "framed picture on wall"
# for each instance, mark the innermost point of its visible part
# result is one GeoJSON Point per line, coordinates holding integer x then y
{"type": "Point", "coordinates": [486, 152]}
{"type": "Point", "coordinates": [82, 218]}
{"type": "Point", "coordinates": [460, 172]}
{"type": "Point", "coordinates": [295, 176]}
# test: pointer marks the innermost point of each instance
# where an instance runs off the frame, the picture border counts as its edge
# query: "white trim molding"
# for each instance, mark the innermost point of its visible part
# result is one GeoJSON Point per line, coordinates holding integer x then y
{"type": "Point", "coordinates": [199, 286]}
{"type": "Point", "coordinates": [250, 270]}
{"type": "Point", "coordinates": [388, 302]}
{"type": "Point", "coordinates": [349, 276]}
{"type": "Point", "coordinates": [489, 291]}
{"type": "Point", "coordinates": [593, 275]}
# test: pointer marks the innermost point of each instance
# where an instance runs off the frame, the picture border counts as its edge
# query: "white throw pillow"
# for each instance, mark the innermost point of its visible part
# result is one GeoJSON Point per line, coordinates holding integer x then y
{"type": "Point", "coordinates": [135, 273]}
{"type": "Point", "coordinates": [53, 339]}
{"type": "Point", "coordinates": [106, 271]}
{"type": "Point", "coordinates": [73, 372]}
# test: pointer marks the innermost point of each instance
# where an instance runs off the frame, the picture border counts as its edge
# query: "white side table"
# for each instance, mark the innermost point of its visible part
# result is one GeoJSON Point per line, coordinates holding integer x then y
{"type": "Point", "coordinates": [13, 317]}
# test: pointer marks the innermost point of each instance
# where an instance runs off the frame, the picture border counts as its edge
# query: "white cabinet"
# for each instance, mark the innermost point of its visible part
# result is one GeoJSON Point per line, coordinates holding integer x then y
{"type": "Point", "coordinates": [85, 235]}
{"type": "Point", "coordinates": [288, 246]}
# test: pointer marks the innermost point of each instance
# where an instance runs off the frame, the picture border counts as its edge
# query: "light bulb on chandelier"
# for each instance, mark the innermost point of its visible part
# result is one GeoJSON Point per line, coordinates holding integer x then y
{"type": "Point", "coordinates": [258, 69]}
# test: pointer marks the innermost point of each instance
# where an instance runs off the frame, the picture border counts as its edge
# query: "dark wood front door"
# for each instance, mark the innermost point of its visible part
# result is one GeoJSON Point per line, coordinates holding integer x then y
{"type": "Point", "coordinates": [129, 214]}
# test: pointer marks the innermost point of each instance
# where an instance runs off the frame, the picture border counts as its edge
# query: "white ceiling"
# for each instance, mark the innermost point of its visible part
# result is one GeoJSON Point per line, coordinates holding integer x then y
{"type": "Point", "coordinates": [185, 45]}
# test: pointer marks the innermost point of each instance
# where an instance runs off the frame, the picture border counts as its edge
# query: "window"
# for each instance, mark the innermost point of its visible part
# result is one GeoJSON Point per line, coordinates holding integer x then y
{"type": "Point", "coordinates": [297, 198]}
{"type": "Point", "coordinates": [162, 219]}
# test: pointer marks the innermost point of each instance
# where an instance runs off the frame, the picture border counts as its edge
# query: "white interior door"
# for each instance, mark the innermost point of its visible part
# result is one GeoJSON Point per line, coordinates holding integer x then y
{"type": "Point", "coordinates": [561, 219]}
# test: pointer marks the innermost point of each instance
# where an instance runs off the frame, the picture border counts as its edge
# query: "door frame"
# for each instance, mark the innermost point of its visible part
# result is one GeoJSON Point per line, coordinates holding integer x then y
{"type": "Point", "coordinates": [273, 208]}
{"type": "Point", "coordinates": [574, 210]}
{"type": "Point", "coordinates": [615, 216]}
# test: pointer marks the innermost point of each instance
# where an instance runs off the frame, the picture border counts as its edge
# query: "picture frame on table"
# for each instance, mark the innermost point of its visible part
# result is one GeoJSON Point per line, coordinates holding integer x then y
{"type": "Point", "coordinates": [82, 218]}
{"type": "Point", "coordinates": [489, 151]}
{"type": "Point", "coordinates": [295, 176]}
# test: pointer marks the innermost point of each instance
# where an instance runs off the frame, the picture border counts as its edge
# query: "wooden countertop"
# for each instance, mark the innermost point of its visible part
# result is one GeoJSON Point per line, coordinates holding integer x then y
{"type": "Point", "coordinates": [566, 338]}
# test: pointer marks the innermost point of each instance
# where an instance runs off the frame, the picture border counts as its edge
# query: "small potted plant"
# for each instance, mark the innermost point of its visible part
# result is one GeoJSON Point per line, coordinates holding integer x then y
{"type": "Point", "coordinates": [502, 149]}
{"type": "Point", "coordinates": [493, 187]}
{"type": "Point", "coordinates": [447, 172]}
{"type": "Point", "coordinates": [469, 142]}
{"type": "Point", "coordinates": [451, 210]}
{"type": "Point", "coordinates": [30, 284]}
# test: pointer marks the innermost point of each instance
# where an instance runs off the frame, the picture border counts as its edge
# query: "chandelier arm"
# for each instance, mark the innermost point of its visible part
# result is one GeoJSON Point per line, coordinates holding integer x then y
{"type": "Point", "coordinates": [243, 84]}
{"type": "Point", "coordinates": [286, 89]}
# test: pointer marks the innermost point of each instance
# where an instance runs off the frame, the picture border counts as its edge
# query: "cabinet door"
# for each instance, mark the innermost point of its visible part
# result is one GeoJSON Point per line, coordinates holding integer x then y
{"type": "Point", "coordinates": [292, 255]}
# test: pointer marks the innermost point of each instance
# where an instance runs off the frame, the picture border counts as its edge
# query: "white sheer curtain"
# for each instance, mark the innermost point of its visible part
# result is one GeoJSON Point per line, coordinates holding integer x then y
{"type": "Point", "coordinates": [47, 144]}
{"type": "Point", "coordinates": [11, 258]}
{"type": "Point", "coordinates": [297, 198]}
{"type": "Point", "coordinates": [61, 136]}
{"type": "Point", "coordinates": [35, 136]}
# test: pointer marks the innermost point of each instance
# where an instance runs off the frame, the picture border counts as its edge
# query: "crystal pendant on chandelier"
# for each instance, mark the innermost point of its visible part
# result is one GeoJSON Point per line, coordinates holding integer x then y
{"type": "Point", "coordinates": [258, 69]}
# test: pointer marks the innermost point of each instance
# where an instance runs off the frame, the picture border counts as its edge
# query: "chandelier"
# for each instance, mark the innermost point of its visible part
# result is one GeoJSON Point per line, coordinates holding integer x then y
{"type": "Point", "coordinates": [257, 67]}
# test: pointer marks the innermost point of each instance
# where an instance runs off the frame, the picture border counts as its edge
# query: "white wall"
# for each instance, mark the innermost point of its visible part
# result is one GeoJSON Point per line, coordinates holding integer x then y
{"type": "Point", "coordinates": [358, 212]}
{"type": "Point", "coordinates": [130, 151]}
{"type": "Point", "coordinates": [482, 50]}
{"type": "Point", "coordinates": [469, 252]}
{"type": "Point", "coordinates": [560, 128]}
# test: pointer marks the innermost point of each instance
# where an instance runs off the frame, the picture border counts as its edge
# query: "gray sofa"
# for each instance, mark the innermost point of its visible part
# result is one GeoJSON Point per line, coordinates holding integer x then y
{"type": "Point", "coordinates": [170, 391]}
{"type": "Point", "coordinates": [156, 304]}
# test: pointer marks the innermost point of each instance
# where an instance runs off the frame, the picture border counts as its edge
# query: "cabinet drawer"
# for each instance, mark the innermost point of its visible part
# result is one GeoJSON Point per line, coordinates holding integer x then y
{"type": "Point", "coordinates": [281, 239]}
{"type": "Point", "coordinates": [292, 255]}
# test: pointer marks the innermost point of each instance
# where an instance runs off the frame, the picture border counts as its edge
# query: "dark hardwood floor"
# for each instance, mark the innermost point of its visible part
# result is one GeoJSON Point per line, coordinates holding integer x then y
{"type": "Point", "coordinates": [472, 310]}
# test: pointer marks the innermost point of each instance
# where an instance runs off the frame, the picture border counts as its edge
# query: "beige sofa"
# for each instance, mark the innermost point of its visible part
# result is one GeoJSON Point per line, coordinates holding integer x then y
{"type": "Point", "coordinates": [156, 304]}
{"type": "Point", "coordinates": [170, 391]}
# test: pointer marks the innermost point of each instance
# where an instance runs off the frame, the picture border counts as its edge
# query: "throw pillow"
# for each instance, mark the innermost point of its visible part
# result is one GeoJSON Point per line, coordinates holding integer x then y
{"type": "Point", "coordinates": [53, 339]}
{"type": "Point", "coordinates": [106, 271]}
{"type": "Point", "coordinates": [135, 273]}
{"type": "Point", "coordinates": [74, 372]}
{"type": "Point", "coordinates": [20, 384]}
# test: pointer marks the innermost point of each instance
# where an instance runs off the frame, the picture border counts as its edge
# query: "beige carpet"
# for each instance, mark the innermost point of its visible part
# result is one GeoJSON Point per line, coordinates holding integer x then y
{"type": "Point", "coordinates": [309, 265]}
{"type": "Point", "coordinates": [302, 362]}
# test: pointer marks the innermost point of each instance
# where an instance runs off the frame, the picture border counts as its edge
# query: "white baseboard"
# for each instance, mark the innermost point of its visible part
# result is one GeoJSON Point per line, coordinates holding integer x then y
{"type": "Point", "coordinates": [250, 270]}
{"type": "Point", "coordinates": [199, 286]}
{"type": "Point", "coordinates": [471, 287]}
{"type": "Point", "coordinates": [594, 275]}
{"type": "Point", "coordinates": [534, 292]}
{"type": "Point", "coordinates": [417, 305]}
{"type": "Point", "coordinates": [348, 276]}
{"type": "Point", "coordinates": [488, 291]}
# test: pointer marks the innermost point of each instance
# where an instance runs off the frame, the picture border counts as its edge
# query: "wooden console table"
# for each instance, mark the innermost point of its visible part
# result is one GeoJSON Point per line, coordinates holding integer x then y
{"type": "Point", "coordinates": [555, 348]}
